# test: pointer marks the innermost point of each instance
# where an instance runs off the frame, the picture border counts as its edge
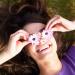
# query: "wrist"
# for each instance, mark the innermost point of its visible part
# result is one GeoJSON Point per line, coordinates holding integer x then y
{"type": "Point", "coordinates": [5, 55]}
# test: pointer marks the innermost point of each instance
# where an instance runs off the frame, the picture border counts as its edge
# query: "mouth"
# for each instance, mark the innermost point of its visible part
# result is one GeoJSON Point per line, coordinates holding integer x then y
{"type": "Point", "coordinates": [44, 50]}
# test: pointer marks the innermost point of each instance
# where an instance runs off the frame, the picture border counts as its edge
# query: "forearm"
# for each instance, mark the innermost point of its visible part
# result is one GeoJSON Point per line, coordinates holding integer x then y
{"type": "Point", "coordinates": [4, 56]}
{"type": "Point", "coordinates": [70, 24]}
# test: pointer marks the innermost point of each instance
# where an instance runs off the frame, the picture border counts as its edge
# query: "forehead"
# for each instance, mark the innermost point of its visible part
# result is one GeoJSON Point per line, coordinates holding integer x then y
{"type": "Point", "coordinates": [34, 27]}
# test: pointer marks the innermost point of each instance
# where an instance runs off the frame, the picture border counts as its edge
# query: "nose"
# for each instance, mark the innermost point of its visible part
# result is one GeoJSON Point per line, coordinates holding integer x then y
{"type": "Point", "coordinates": [42, 41]}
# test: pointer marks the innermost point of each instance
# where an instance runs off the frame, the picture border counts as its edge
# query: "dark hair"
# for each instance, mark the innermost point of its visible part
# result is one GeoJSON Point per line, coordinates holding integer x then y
{"type": "Point", "coordinates": [25, 15]}
{"type": "Point", "coordinates": [64, 42]}
{"type": "Point", "coordinates": [22, 64]}
{"type": "Point", "coordinates": [32, 11]}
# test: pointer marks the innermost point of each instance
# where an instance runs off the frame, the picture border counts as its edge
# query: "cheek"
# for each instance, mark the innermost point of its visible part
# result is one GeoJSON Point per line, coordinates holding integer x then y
{"type": "Point", "coordinates": [54, 44]}
{"type": "Point", "coordinates": [31, 50]}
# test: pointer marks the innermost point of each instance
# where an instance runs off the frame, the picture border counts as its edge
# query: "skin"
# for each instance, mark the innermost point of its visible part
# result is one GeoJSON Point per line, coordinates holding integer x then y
{"type": "Point", "coordinates": [58, 23]}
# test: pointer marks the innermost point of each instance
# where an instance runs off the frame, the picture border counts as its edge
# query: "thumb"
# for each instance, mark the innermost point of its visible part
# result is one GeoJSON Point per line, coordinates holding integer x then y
{"type": "Point", "coordinates": [60, 28]}
{"type": "Point", "coordinates": [24, 43]}
{"type": "Point", "coordinates": [21, 45]}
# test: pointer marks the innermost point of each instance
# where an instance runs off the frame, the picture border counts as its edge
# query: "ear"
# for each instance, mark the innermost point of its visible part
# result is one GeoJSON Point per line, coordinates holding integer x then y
{"type": "Point", "coordinates": [57, 23]}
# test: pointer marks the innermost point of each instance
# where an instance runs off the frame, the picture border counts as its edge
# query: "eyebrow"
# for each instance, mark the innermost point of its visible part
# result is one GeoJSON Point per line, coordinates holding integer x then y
{"type": "Point", "coordinates": [41, 29]}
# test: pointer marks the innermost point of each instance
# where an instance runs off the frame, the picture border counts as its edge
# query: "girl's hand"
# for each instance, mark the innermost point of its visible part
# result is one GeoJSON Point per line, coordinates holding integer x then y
{"type": "Point", "coordinates": [16, 43]}
{"type": "Point", "coordinates": [61, 24]}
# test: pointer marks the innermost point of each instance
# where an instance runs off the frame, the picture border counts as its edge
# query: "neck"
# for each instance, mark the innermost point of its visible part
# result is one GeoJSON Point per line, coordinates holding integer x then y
{"type": "Point", "coordinates": [50, 66]}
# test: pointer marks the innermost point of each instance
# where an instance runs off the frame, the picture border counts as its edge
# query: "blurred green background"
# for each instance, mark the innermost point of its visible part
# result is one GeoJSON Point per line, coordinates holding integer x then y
{"type": "Point", "coordinates": [65, 8]}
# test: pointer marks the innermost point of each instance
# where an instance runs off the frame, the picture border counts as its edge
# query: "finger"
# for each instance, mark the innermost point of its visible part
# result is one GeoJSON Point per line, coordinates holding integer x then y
{"type": "Point", "coordinates": [57, 22]}
{"type": "Point", "coordinates": [20, 31]}
{"type": "Point", "coordinates": [68, 24]}
{"type": "Point", "coordinates": [20, 45]}
{"type": "Point", "coordinates": [62, 25]}
{"type": "Point", "coordinates": [61, 29]}
{"type": "Point", "coordinates": [50, 23]}
{"type": "Point", "coordinates": [19, 36]}
{"type": "Point", "coordinates": [25, 43]}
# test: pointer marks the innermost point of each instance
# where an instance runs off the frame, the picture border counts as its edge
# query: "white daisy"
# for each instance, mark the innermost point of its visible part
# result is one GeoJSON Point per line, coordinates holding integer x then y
{"type": "Point", "coordinates": [47, 34]}
{"type": "Point", "coordinates": [34, 39]}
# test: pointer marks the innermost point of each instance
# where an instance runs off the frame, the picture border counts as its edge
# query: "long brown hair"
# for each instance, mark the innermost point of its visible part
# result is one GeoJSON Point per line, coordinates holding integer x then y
{"type": "Point", "coordinates": [18, 17]}
{"type": "Point", "coordinates": [30, 11]}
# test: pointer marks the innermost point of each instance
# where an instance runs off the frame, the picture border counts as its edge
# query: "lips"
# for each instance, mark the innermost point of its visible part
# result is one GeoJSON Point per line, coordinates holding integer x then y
{"type": "Point", "coordinates": [43, 50]}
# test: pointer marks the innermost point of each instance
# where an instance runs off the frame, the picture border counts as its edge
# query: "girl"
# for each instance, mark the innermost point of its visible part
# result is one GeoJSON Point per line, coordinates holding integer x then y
{"type": "Point", "coordinates": [37, 44]}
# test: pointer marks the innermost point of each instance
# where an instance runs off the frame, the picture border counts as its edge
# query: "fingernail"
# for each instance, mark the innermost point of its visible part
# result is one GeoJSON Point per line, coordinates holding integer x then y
{"type": "Point", "coordinates": [17, 42]}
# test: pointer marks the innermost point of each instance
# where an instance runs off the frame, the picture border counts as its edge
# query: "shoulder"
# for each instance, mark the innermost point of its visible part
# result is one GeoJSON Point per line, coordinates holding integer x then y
{"type": "Point", "coordinates": [68, 62]}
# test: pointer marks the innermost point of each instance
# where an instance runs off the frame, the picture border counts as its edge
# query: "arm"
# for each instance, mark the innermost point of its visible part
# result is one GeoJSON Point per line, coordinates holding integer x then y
{"type": "Point", "coordinates": [14, 46]}
{"type": "Point", "coordinates": [4, 56]}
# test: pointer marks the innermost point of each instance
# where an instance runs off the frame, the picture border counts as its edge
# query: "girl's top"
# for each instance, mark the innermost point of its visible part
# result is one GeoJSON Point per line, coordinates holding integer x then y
{"type": "Point", "coordinates": [68, 62]}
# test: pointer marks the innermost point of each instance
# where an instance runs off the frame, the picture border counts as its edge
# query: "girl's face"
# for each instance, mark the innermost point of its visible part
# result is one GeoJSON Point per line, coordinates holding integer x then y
{"type": "Point", "coordinates": [45, 48]}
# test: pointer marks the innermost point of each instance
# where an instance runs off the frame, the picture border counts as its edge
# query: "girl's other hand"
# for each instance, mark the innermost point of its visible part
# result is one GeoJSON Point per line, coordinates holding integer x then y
{"type": "Point", "coordinates": [58, 23]}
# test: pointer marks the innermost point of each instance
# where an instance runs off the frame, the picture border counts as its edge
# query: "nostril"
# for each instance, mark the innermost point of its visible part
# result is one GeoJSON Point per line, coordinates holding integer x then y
{"type": "Point", "coordinates": [42, 41]}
